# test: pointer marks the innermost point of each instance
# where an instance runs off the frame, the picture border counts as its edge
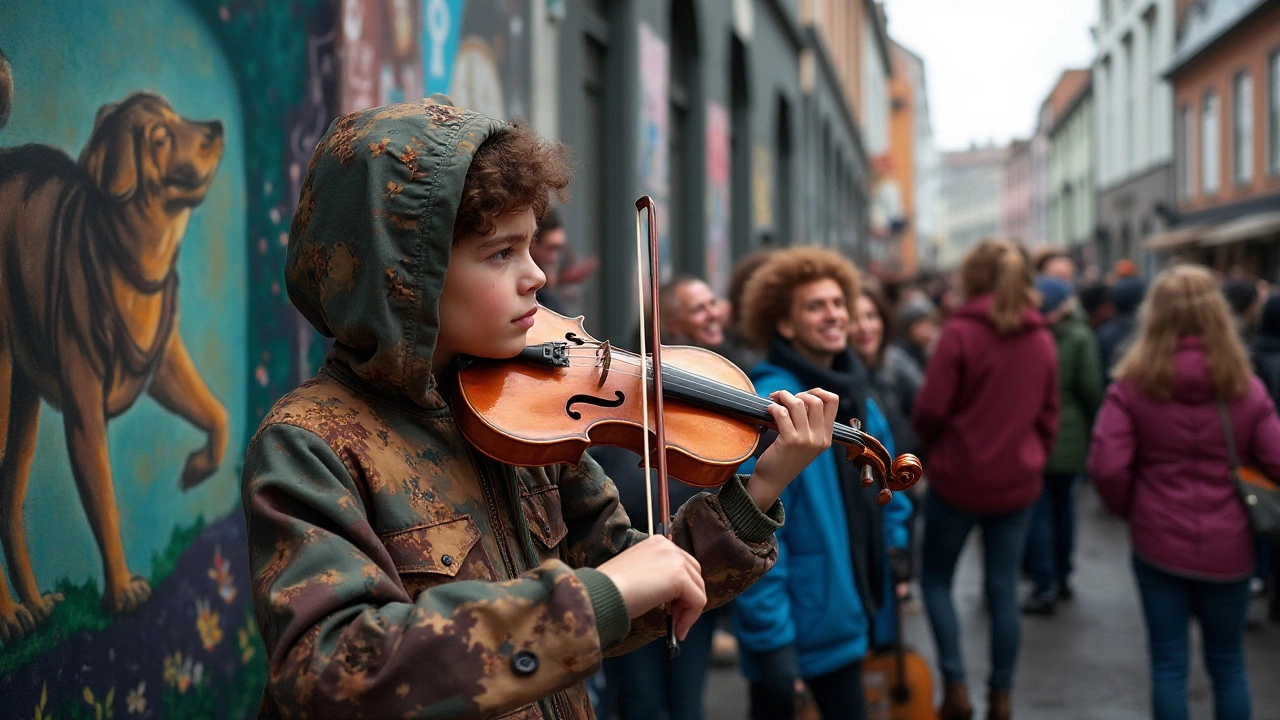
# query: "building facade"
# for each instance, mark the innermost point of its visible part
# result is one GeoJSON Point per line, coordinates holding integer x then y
{"type": "Point", "coordinates": [1017, 193]}
{"type": "Point", "coordinates": [1134, 125]}
{"type": "Point", "coordinates": [1072, 202]}
{"type": "Point", "coordinates": [971, 189]}
{"type": "Point", "coordinates": [1226, 85]}
{"type": "Point", "coordinates": [739, 118]}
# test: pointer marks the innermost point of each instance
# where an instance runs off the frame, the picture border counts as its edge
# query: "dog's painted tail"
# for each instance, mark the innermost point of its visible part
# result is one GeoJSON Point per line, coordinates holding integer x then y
{"type": "Point", "coordinates": [6, 89]}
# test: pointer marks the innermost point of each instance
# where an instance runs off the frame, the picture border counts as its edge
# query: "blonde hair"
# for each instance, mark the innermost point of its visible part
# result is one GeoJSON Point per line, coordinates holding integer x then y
{"type": "Point", "coordinates": [1001, 268]}
{"type": "Point", "coordinates": [1185, 301]}
{"type": "Point", "coordinates": [767, 296]}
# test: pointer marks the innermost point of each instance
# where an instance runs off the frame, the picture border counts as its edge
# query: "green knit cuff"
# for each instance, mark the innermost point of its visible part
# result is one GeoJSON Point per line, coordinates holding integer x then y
{"type": "Point", "coordinates": [612, 620]}
{"type": "Point", "coordinates": [748, 522]}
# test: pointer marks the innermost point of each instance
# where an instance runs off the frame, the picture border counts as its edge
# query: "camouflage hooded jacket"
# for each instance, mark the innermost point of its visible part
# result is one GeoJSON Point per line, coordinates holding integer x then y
{"type": "Point", "coordinates": [397, 572]}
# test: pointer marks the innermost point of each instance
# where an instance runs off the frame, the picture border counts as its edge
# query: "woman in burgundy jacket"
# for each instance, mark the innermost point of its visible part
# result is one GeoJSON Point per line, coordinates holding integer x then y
{"type": "Point", "coordinates": [1159, 459]}
{"type": "Point", "coordinates": [987, 415]}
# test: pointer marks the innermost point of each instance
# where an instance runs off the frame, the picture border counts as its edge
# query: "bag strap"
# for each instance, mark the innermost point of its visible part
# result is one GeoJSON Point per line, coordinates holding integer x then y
{"type": "Point", "coordinates": [1229, 435]}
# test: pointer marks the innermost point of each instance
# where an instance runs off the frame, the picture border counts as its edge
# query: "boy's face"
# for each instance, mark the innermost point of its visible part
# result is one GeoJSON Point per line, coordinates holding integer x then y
{"type": "Point", "coordinates": [488, 300]}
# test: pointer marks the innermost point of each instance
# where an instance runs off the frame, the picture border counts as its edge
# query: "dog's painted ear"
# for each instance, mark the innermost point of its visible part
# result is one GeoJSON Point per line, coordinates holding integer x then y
{"type": "Point", "coordinates": [111, 155]}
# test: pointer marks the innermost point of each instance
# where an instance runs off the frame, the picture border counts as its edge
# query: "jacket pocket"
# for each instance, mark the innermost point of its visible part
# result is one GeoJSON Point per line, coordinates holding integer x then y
{"type": "Point", "coordinates": [430, 555]}
{"type": "Point", "coordinates": [546, 518]}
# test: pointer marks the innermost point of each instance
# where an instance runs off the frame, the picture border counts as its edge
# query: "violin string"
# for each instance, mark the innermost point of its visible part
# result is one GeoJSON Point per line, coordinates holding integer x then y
{"type": "Point", "coordinates": [727, 396]}
{"type": "Point", "coordinates": [722, 394]}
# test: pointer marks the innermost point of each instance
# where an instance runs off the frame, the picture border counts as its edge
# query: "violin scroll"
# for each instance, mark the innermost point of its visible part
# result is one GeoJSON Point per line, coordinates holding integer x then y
{"type": "Point", "coordinates": [896, 474]}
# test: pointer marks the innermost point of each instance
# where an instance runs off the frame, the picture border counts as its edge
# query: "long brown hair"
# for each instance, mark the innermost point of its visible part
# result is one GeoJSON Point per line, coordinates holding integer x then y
{"type": "Point", "coordinates": [1185, 301]}
{"type": "Point", "coordinates": [1001, 268]}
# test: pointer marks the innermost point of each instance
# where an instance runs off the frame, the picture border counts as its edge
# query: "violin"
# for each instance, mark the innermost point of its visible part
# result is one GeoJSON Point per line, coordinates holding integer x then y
{"type": "Point", "coordinates": [568, 391]}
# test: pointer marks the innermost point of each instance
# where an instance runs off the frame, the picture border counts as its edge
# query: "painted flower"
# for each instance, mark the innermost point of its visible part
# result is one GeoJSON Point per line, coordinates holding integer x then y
{"type": "Point", "coordinates": [177, 671]}
{"type": "Point", "coordinates": [221, 574]}
{"type": "Point", "coordinates": [209, 625]}
{"type": "Point", "coordinates": [137, 699]}
{"type": "Point", "coordinates": [246, 645]}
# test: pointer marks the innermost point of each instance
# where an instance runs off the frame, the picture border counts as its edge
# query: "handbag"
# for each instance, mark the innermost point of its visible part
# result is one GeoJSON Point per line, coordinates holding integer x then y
{"type": "Point", "coordinates": [1260, 496]}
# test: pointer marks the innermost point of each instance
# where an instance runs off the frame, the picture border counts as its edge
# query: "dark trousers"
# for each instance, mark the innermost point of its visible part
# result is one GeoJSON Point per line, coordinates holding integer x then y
{"type": "Point", "coordinates": [1052, 537]}
{"type": "Point", "coordinates": [839, 693]}
{"type": "Point", "coordinates": [1169, 602]}
{"type": "Point", "coordinates": [645, 684]}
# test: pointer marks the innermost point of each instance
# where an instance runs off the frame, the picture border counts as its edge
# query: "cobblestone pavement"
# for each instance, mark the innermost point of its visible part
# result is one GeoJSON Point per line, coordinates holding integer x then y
{"type": "Point", "coordinates": [1086, 662]}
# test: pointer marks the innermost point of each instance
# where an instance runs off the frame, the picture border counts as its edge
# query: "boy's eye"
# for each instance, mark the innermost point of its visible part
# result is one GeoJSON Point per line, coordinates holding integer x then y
{"type": "Point", "coordinates": [502, 254]}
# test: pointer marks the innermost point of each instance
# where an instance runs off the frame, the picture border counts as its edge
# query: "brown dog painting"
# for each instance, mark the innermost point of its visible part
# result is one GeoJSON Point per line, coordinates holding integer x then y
{"type": "Point", "coordinates": [89, 317]}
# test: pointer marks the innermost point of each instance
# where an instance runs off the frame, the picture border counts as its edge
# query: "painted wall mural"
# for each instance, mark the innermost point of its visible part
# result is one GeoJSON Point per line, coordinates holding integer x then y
{"type": "Point", "coordinates": [144, 182]}
{"type": "Point", "coordinates": [151, 157]}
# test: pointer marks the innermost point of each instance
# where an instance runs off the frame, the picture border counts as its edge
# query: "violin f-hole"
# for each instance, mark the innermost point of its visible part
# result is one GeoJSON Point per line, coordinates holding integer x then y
{"type": "Point", "coordinates": [619, 398]}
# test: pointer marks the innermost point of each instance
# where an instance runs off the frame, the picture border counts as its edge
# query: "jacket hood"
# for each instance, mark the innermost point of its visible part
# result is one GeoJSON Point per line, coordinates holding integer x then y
{"type": "Point", "coordinates": [369, 244]}
{"type": "Point", "coordinates": [979, 309]}
{"type": "Point", "coordinates": [1191, 382]}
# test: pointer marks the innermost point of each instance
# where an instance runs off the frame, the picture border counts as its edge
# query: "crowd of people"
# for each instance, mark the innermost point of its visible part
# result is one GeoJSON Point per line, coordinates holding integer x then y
{"type": "Point", "coordinates": [1016, 379]}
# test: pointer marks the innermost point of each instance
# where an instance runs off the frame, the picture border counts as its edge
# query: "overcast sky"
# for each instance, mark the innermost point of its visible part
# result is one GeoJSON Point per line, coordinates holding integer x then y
{"type": "Point", "coordinates": [990, 63]}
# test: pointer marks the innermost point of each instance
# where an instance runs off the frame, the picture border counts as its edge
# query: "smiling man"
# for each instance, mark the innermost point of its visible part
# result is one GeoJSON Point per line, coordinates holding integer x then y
{"type": "Point", "coordinates": [810, 617]}
{"type": "Point", "coordinates": [690, 313]}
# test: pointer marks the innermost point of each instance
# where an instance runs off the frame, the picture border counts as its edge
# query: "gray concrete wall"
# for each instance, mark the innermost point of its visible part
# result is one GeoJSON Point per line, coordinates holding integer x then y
{"type": "Point", "coordinates": [1127, 215]}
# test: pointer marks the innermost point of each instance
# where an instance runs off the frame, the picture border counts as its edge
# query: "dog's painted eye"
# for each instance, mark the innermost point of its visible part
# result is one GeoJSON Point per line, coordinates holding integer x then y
{"type": "Point", "coordinates": [160, 136]}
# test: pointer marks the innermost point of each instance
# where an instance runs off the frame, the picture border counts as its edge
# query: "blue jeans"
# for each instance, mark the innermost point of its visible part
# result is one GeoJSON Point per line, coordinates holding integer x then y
{"type": "Point", "coordinates": [1003, 540]}
{"type": "Point", "coordinates": [1168, 604]}
{"type": "Point", "coordinates": [1052, 537]}
{"type": "Point", "coordinates": [645, 684]}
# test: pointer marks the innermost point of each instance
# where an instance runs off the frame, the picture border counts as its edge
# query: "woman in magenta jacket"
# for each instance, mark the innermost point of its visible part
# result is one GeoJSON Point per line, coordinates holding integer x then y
{"type": "Point", "coordinates": [1159, 459]}
{"type": "Point", "coordinates": [987, 414]}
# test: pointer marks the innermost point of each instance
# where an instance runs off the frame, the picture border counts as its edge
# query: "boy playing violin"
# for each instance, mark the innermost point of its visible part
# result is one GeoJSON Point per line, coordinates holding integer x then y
{"type": "Point", "coordinates": [399, 571]}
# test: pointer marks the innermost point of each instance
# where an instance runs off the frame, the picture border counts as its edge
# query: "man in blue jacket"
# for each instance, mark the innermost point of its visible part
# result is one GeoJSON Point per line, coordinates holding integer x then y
{"type": "Point", "coordinates": [810, 616]}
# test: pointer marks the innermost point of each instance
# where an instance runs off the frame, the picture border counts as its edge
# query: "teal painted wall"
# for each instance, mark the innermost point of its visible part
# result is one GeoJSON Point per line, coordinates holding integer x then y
{"type": "Point", "coordinates": [105, 50]}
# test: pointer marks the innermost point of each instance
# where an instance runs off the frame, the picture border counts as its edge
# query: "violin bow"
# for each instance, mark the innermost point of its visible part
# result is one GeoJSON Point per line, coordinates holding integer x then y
{"type": "Point", "coordinates": [646, 207]}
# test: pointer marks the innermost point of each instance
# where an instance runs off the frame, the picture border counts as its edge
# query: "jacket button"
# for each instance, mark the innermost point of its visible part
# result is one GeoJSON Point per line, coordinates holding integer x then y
{"type": "Point", "coordinates": [446, 560]}
{"type": "Point", "coordinates": [546, 530]}
{"type": "Point", "coordinates": [524, 663]}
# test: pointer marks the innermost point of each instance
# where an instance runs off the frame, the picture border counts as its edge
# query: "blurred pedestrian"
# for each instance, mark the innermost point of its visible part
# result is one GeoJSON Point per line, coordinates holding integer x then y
{"type": "Point", "coordinates": [1056, 264]}
{"type": "Point", "coordinates": [1245, 302]}
{"type": "Point", "coordinates": [1115, 334]}
{"type": "Point", "coordinates": [1160, 459]}
{"type": "Point", "coordinates": [1051, 540]}
{"type": "Point", "coordinates": [547, 248]}
{"type": "Point", "coordinates": [895, 376]}
{"type": "Point", "coordinates": [988, 414]}
{"type": "Point", "coordinates": [1265, 354]}
{"type": "Point", "coordinates": [918, 322]}
{"type": "Point", "coordinates": [809, 618]}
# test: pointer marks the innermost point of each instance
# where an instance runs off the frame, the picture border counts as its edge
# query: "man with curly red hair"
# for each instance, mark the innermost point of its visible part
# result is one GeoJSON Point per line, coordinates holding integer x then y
{"type": "Point", "coordinates": [810, 617]}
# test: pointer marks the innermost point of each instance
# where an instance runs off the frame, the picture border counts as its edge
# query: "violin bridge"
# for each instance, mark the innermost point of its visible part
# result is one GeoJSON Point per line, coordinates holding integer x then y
{"type": "Point", "coordinates": [604, 357]}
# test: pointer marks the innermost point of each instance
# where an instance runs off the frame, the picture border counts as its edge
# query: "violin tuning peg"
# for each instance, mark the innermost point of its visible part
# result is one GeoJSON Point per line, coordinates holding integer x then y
{"type": "Point", "coordinates": [867, 477]}
{"type": "Point", "coordinates": [884, 496]}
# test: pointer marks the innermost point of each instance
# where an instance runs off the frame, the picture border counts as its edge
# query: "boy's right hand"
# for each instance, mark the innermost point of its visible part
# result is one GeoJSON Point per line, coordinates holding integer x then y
{"type": "Point", "coordinates": [656, 571]}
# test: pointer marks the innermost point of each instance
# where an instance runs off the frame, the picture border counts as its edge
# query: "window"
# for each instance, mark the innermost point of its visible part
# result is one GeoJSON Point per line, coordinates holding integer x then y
{"type": "Point", "coordinates": [1242, 129]}
{"type": "Point", "coordinates": [1186, 153]}
{"type": "Point", "coordinates": [1209, 143]}
{"type": "Point", "coordinates": [1273, 112]}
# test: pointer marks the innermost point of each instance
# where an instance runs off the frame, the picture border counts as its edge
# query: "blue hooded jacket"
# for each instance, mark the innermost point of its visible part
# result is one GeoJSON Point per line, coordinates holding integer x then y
{"type": "Point", "coordinates": [809, 598]}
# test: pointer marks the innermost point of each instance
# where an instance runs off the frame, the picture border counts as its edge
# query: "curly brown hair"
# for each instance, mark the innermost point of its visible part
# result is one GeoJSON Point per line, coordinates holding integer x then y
{"type": "Point", "coordinates": [512, 170]}
{"type": "Point", "coordinates": [767, 297]}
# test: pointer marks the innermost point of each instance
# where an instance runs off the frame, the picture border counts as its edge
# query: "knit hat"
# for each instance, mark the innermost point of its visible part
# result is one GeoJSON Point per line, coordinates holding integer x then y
{"type": "Point", "coordinates": [1126, 294]}
{"type": "Point", "coordinates": [1053, 292]}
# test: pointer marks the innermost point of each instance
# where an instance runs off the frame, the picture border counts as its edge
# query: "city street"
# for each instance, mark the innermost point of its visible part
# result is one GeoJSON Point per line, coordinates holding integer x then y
{"type": "Point", "coordinates": [1086, 662]}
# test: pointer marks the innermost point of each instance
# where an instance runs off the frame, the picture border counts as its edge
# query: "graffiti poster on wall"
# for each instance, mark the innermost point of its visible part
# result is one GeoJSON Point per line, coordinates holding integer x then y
{"type": "Point", "coordinates": [379, 54]}
{"type": "Point", "coordinates": [654, 132]}
{"type": "Point", "coordinates": [476, 52]}
{"type": "Point", "coordinates": [718, 198]}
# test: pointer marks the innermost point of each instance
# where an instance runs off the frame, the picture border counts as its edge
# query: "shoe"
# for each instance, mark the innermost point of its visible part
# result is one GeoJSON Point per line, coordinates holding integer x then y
{"type": "Point", "coordinates": [1039, 604]}
{"type": "Point", "coordinates": [999, 705]}
{"type": "Point", "coordinates": [955, 703]}
{"type": "Point", "coordinates": [1064, 590]}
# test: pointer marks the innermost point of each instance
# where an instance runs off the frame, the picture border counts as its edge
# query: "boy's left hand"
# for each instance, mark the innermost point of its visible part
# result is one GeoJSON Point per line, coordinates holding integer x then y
{"type": "Point", "coordinates": [805, 423]}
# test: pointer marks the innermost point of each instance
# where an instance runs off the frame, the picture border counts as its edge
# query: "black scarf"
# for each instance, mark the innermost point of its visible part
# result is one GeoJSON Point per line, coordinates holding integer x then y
{"type": "Point", "coordinates": [847, 378]}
